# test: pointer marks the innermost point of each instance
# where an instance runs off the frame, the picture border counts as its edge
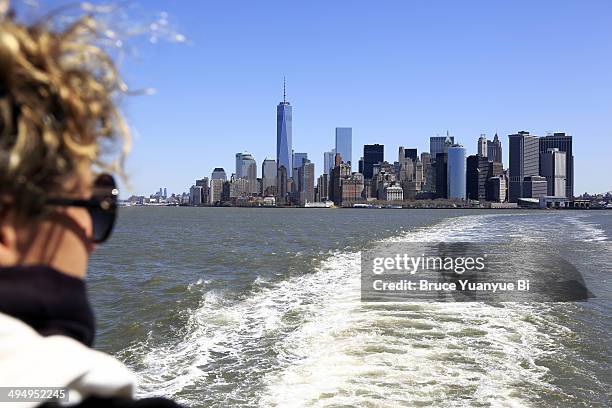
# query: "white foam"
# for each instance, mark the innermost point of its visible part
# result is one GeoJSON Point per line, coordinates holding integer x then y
{"type": "Point", "coordinates": [341, 351]}
{"type": "Point", "coordinates": [585, 231]}
{"type": "Point", "coordinates": [357, 354]}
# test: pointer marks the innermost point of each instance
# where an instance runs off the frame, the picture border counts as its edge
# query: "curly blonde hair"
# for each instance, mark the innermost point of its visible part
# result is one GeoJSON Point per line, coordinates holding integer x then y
{"type": "Point", "coordinates": [58, 107]}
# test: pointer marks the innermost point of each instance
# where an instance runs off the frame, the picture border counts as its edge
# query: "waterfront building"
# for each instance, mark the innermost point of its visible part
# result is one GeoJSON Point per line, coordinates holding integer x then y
{"type": "Point", "coordinates": [494, 150]}
{"type": "Point", "coordinates": [344, 143]}
{"type": "Point", "coordinates": [244, 161]}
{"type": "Point", "coordinates": [328, 161]}
{"type": "Point", "coordinates": [239, 187]}
{"type": "Point", "coordinates": [307, 173]}
{"type": "Point", "coordinates": [524, 161]}
{"type": "Point", "coordinates": [203, 182]}
{"type": "Point", "coordinates": [340, 172]}
{"type": "Point", "coordinates": [553, 167]}
{"type": "Point", "coordinates": [352, 188]}
{"type": "Point", "coordinates": [225, 192]}
{"type": "Point", "coordinates": [563, 142]}
{"type": "Point", "coordinates": [216, 190]}
{"type": "Point", "coordinates": [456, 172]}
{"type": "Point", "coordinates": [383, 179]}
{"type": "Point", "coordinates": [292, 190]}
{"type": "Point", "coordinates": [246, 168]}
{"type": "Point", "coordinates": [195, 195]}
{"type": "Point", "coordinates": [251, 176]}
{"type": "Point", "coordinates": [497, 189]}
{"type": "Point", "coordinates": [393, 193]}
{"type": "Point", "coordinates": [218, 174]}
{"type": "Point", "coordinates": [284, 135]}
{"type": "Point", "coordinates": [477, 174]}
{"type": "Point", "coordinates": [372, 154]}
{"type": "Point", "coordinates": [323, 187]}
{"type": "Point", "coordinates": [268, 177]}
{"type": "Point", "coordinates": [535, 187]}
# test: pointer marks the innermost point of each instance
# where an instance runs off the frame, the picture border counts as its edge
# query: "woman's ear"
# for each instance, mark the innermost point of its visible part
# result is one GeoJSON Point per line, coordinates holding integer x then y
{"type": "Point", "coordinates": [8, 239]}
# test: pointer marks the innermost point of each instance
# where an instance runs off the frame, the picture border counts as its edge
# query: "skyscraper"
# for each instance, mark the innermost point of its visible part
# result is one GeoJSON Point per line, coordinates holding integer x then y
{"type": "Point", "coordinates": [471, 177]}
{"type": "Point", "coordinates": [246, 168]}
{"type": "Point", "coordinates": [238, 171]}
{"type": "Point", "coordinates": [268, 177]}
{"type": "Point", "coordinates": [344, 143]}
{"type": "Point", "coordinates": [437, 144]}
{"type": "Point", "coordinates": [372, 154]}
{"type": "Point", "coordinates": [216, 190]}
{"type": "Point", "coordinates": [411, 154]}
{"type": "Point", "coordinates": [562, 142]}
{"type": "Point", "coordinates": [251, 176]}
{"type": "Point", "coordinates": [323, 187]}
{"type": "Point", "coordinates": [328, 161]}
{"type": "Point", "coordinates": [553, 167]}
{"type": "Point", "coordinates": [218, 174]}
{"type": "Point", "coordinates": [281, 185]}
{"type": "Point", "coordinates": [456, 172]}
{"type": "Point", "coordinates": [307, 172]}
{"type": "Point", "coordinates": [195, 195]}
{"type": "Point", "coordinates": [494, 150]}
{"type": "Point", "coordinates": [482, 146]}
{"type": "Point", "coordinates": [441, 175]}
{"type": "Point", "coordinates": [524, 162]}
{"type": "Point", "coordinates": [204, 184]}
{"type": "Point", "coordinates": [477, 174]}
{"type": "Point", "coordinates": [340, 172]}
{"type": "Point", "coordinates": [284, 133]}
{"type": "Point", "coordinates": [298, 161]}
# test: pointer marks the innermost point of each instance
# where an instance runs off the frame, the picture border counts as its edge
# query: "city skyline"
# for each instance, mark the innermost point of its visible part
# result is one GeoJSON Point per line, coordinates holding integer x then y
{"type": "Point", "coordinates": [284, 139]}
{"type": "Point", "coordinates": [397, 73]}
{"type": "Point", "coordinates": [455, 187]}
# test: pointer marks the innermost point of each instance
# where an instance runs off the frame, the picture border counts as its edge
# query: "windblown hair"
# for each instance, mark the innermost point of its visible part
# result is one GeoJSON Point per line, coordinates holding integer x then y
{"type": "Point", "coordinates": [58, 94]}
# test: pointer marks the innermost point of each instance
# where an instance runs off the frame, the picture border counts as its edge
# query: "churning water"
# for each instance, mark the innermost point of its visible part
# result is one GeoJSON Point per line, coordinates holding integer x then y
{"type": "Point", "coordinates": [261, 307]}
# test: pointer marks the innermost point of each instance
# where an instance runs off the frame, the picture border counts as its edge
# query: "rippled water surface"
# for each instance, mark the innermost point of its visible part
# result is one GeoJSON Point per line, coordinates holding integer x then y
{"type": "Point", "coordinates": [261, 307]}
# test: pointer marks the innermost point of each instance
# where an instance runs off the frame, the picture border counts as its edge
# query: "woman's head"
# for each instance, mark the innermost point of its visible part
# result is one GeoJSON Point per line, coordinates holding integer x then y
{"type": "Point", "coordinates": [58, 125]}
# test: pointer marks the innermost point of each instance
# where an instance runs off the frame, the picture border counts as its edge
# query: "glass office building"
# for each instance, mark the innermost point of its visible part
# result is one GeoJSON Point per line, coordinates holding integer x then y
{"type": "Point", "coordinates": [437, 144]}
{"type": "Point", "coordinates": [344, 143]}
{"type": "Point", "coordinates": [298, 162]}
{"type": "Point", "coordinates": [456, 172]}
{"type": "Point", "coordinates": [284, 135]}
{"type": "Point", "coordinates": [328, 161]}
{"type": "Point", "coordinates": [372, 154]}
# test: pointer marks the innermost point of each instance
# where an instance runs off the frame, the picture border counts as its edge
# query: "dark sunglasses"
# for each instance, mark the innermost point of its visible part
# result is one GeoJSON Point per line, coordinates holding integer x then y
{"type": "Point", "coordinates": [102, 206]}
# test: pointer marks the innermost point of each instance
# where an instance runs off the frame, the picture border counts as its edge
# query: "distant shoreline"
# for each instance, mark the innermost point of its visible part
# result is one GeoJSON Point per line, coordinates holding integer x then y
{"type": "Point", "coordinates": [363, 208]}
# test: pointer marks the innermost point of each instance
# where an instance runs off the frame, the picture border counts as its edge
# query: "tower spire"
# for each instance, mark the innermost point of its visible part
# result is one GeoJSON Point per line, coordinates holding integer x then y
{"type": "Point", "coordinates": [284, 90]}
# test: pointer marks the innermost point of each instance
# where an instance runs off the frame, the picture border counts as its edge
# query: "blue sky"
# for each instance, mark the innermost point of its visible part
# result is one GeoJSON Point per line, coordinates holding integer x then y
{"type": "Point", "coordinates": [397, 72]}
